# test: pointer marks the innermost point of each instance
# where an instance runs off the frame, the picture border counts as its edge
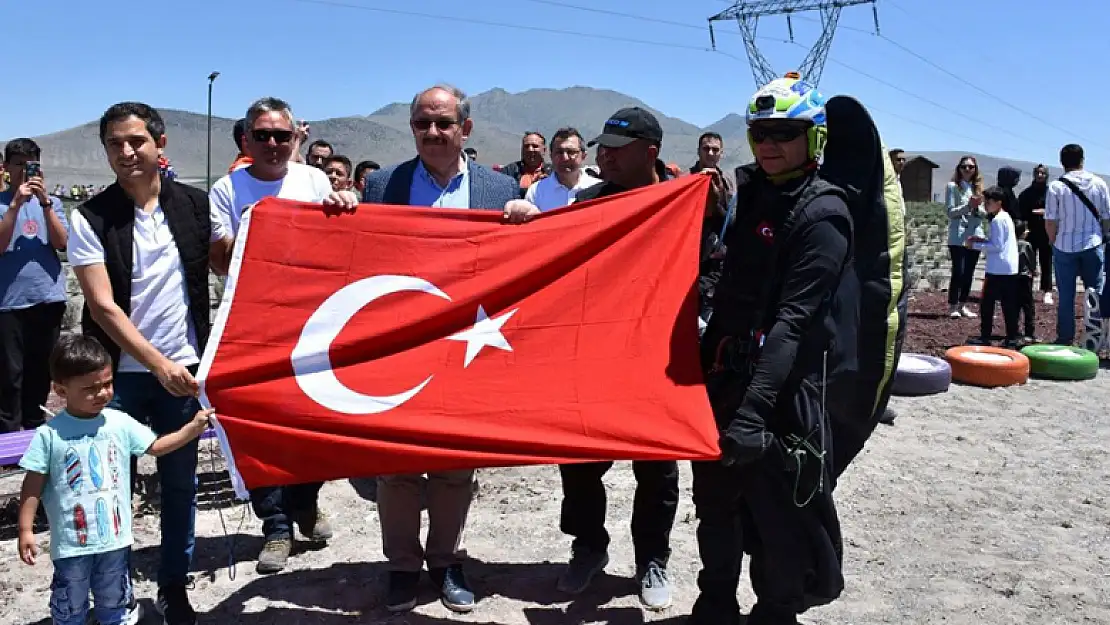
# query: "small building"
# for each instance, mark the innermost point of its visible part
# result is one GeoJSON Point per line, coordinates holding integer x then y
{"type": "Point", "coordinates": [917, 179]}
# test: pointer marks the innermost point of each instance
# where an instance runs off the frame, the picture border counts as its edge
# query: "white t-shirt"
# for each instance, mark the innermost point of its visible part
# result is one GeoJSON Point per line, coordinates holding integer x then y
{"type": "Point", "coordinates": [549, 193]}
{"type": "Point", "coordinates": [159, 298]}
{"type": "Point", "coordinates": [238, 190]}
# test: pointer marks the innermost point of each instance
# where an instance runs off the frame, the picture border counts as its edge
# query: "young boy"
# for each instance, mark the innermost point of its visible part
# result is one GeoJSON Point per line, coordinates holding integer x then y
{"type": "Point", "coordinates": [1002, 270]}
{"type": "Point", "coordinates": [79, 464]}
{"type": "Point", "coordinates": [1026, 259]}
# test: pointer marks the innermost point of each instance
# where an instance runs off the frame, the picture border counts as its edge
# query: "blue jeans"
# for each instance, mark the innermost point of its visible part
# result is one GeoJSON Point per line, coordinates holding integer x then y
{"type": "Point", "coordinates": [107, 575]}
{"type": "Point", "coordinates": [1087, 266]}
{"type": "Point", "coordinates": [145, 399]}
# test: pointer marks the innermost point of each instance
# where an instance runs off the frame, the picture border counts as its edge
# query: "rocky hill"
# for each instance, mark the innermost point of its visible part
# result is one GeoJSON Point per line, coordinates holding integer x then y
{"type": "Point", "coordinates": [500, 118]}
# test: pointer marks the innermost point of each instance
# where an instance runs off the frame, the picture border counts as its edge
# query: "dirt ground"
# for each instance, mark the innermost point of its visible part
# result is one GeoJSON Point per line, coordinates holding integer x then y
{"type": "Point", "coordinates": [931, 331]}
{"type": "Point", "coordinates": [987, 506]}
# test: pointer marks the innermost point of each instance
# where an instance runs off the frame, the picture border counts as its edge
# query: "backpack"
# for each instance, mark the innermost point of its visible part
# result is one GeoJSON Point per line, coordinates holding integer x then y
{"type": "Point", "coordinates": [867, 313]}
{"type": "Point", "coordinates": [855, 159]}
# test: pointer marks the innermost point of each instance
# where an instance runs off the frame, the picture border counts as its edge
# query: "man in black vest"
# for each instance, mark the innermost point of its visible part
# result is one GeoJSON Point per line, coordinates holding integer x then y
{"type": "Point", "coordinates": [140, 250]}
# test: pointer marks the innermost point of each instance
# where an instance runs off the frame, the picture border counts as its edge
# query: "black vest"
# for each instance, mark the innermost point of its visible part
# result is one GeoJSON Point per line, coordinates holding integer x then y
{"type": "Point", "coordinates": [111, 215]}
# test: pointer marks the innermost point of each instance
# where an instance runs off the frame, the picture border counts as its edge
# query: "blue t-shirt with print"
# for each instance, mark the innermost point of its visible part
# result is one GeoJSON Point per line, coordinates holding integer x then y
{"type": "Point", "coordinates": [30, 271]}
{"type": "Point", "coordinates": [87, 464]}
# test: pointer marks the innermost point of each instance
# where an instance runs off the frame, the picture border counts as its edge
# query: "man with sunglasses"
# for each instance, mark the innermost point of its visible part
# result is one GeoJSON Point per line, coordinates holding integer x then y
{"type": "Point", "coordinates": [763, 355]}
{"type": "Point", "coordinates": [270, 140]}
{"type": "Point", "coordinates": [441, 176]}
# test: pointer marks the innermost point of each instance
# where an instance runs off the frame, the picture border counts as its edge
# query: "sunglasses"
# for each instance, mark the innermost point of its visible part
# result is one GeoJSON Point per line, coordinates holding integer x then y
{"type": "Point", "coordinates": [778, 134]}
{"type": "Point", "coordinates": [279, 136]}
{"type": "Point", "coordinates": [441, 124]}
{"type": "Point", "coordinates": [967, 166]}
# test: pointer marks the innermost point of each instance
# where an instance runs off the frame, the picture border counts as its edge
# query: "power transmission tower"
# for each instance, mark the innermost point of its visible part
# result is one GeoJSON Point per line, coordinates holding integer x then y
{"type": "Point", "coordinates": [747, 14]}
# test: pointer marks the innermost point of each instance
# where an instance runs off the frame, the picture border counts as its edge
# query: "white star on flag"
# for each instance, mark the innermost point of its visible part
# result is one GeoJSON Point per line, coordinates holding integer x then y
{"type": "Point", "coordinates": [485, 331]}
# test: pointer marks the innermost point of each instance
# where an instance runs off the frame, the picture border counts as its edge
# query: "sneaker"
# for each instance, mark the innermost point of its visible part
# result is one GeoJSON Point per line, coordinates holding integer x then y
{"type": "Point", "coordinates": [314, 525]}
{"type": "Point", "coordinates": [454, 591]}
{"type": "Point", "coordinates": [585, 563]}
{"type": "Point", "coordinates": [954, 312]}
{"type": "Point", "coordinates": [978, 342]}
{"type": "Point", "coordinates": [1048, 298]}
{"type": "Point", "coordinates": [133, 617]}
{"type": "Point", "coordinates": [401, 595]}
{"type": "Point", "coordinates": [173, 605]}
{"type": "Point", "coordinates": [273, 555]}
{"type": "Point", "coordinates": [966, 312]}
{"type": "Point", "coordinates": [655, 589]}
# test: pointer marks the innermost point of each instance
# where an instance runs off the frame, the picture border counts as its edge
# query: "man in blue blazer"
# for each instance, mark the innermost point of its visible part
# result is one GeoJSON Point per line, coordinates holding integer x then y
{"type": "Point", "coordinates": [443, 177]}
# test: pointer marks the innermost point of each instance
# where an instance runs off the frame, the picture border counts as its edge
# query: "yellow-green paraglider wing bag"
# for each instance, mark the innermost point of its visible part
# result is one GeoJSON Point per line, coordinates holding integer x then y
{"type": "Point", "coordinates": [870, 317]}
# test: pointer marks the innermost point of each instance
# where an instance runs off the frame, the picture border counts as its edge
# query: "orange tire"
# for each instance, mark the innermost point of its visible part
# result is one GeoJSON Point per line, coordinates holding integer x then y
{"type": "Point", "coordinates": [987, 366]}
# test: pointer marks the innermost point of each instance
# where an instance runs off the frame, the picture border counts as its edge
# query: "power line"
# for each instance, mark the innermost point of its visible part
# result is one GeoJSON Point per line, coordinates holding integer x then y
{"type": "Point", "coordinates": [456, 19]}
{"type": "Point", "coordinates": [993, 96]}
{"type": "Point", "coordinates": [572, 33]}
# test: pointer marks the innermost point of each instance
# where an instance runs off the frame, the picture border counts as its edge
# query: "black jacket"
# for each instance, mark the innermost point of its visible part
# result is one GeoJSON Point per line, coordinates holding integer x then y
{"type": "Point", "coordinates": [111, 215]}
{"type": "Point", "coordinates": [1033, 198]}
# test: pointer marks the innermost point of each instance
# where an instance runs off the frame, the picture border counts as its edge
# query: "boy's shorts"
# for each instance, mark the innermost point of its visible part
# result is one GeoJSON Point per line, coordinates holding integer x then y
{"type": "Point", "coordinates": [107, 575]}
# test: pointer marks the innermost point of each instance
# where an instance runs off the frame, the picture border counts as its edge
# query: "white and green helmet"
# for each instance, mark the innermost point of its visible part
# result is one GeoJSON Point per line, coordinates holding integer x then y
{"type": "Point", "coordinates": [791, 99]}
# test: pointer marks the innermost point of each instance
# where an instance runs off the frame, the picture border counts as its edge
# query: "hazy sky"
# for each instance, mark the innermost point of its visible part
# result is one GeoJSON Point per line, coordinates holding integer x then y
{"type": "Point", "coordinates": [1032, 75]}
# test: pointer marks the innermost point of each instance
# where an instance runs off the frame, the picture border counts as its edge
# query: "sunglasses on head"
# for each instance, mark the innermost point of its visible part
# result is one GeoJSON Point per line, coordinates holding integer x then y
{"type": "Point", "coordinates": [264, 135]}
{"type": "Point", "coordinates": [441, 124]}
{"type": "Point", "coordinates": [778, 134]}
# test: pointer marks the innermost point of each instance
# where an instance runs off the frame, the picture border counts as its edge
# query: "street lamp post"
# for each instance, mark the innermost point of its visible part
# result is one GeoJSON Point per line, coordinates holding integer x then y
{"type": "Point", "coordinates": [208, 177]}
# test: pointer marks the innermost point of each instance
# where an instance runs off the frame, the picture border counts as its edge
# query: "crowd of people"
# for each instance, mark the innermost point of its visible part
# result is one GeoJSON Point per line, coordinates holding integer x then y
{"type": "Point", "coordinates": [142, 250]}
{"type": "Point", "coordinates": [1052, 229]}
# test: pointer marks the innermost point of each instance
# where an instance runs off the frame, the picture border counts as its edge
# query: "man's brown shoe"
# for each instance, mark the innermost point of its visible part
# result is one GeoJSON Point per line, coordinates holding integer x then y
{"type": "Point", "coordinates": [314, 525]}
{"type": "Point", "coordinates": [274, 554]}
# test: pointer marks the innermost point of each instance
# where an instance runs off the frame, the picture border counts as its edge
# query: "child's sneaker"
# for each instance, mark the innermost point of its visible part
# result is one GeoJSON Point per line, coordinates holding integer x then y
{"type": "Point", "coordinates": [954, 312]}
{"type": "Point", "coordinates": [967, 312]}
{"type": "Point", "coordinates": [1048, 300]}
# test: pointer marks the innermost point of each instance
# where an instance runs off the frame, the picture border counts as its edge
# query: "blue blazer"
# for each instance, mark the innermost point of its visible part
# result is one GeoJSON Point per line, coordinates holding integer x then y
{"type": "Point", "coordinates": [488, 189]}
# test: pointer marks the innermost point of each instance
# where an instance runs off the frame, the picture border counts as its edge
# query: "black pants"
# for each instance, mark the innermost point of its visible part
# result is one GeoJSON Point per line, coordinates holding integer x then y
{"type": "Point", "coordinates": [1004, 289]}
{"type": "Point", "coordinates": [1043, 257]}
{"type": "Point", "coordinates": [653, 510]}
{"type": "Point", "coordinates": [726, 529]}
{"type": "Point", "coordinates": [963, 270]}
{"type": "Point", "coordinates": [276, 505]}
{"type": "Point", "coordinates": [1026, 309]}
{"type": "Point", "coordinates": [27, 337]}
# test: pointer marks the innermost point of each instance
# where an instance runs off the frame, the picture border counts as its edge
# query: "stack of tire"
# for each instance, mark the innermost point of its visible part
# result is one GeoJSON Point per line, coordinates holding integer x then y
{"type": "Point", "coordinates": [991, 367]}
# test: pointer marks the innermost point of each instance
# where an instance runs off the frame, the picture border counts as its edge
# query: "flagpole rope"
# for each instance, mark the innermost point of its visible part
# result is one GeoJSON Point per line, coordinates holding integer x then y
{"type": "Point", "coordinates": [229, 538]}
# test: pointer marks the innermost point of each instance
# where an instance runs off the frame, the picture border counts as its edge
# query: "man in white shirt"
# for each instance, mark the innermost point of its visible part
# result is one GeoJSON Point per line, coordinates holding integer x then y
{"type": "Point", "coordinates": [269, 141]}
{"type": "Point", "coordinates": [1077, 208]}
{"type": "Point", "coordinates": [140, 250]}
{"type": "Point", "coordinates": [568, 151]}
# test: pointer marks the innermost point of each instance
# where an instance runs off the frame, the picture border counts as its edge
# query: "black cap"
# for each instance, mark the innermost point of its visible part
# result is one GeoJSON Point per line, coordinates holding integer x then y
{"type": "Point", "coordinates": [627, 125]}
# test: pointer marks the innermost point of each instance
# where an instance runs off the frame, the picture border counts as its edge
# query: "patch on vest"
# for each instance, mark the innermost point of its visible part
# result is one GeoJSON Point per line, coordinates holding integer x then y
{"type": "Point", "coordinates": [766, 231]}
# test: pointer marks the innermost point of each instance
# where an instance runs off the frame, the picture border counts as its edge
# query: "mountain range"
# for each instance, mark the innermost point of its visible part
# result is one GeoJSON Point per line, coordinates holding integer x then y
{"type": "Point", "coordinates": [75, 156]}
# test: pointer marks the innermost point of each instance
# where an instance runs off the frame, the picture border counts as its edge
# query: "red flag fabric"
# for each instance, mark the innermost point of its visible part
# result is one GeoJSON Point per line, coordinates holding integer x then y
{"type": "Point", "coordinates": [404, 340]}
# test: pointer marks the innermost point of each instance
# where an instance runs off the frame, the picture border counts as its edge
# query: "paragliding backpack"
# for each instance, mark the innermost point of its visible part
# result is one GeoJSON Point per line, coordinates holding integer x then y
{"type": "Point", "coordinates": [869, 318]}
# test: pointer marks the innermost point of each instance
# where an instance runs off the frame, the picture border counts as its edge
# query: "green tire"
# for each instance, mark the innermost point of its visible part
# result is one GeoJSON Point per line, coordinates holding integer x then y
{"type": "Point", "coordinates": [1059, 362]}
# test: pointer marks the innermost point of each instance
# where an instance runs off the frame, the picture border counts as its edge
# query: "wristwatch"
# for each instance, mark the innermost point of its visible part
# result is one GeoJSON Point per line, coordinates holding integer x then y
{"type": "Point", "coordinates": [49, 202]}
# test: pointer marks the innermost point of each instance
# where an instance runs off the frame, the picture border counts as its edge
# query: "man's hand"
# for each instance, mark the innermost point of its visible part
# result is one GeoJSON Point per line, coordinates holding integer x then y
{"type": "Point", "coordinates": [22, 193]}
{"type": "Point", "coordinates": [38, 188]}
{"type": "Point", "coordinates": [342, 200]}
{"type": "Point", "coordinates": [745, 440]}
{"type": "Point", "coordinates": [177, 380]}
{"type": "Point", "coordinates": [28, 549]}
{"type": "Point", "coordinates": [519, 211]}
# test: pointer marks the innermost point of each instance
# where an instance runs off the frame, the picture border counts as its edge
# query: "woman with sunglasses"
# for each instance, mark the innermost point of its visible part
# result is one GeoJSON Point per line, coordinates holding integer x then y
{"type": "Point", "coordinates": [964, 201]}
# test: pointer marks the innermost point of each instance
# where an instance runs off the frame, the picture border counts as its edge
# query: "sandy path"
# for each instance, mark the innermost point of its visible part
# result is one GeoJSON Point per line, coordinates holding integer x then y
{"type": "Point", "coordinates": [978, 506]}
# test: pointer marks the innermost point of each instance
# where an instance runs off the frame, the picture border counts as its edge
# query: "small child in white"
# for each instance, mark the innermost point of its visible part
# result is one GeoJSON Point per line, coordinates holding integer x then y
{"type": "Point", "coordinates": [1002, 279]}
{"type": "Point", "coordinates": [79, 464]}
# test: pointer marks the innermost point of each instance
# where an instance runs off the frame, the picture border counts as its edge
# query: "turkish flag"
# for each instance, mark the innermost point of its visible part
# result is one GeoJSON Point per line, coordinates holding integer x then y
{"type": "Point", "coordinates": [400, 339]}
